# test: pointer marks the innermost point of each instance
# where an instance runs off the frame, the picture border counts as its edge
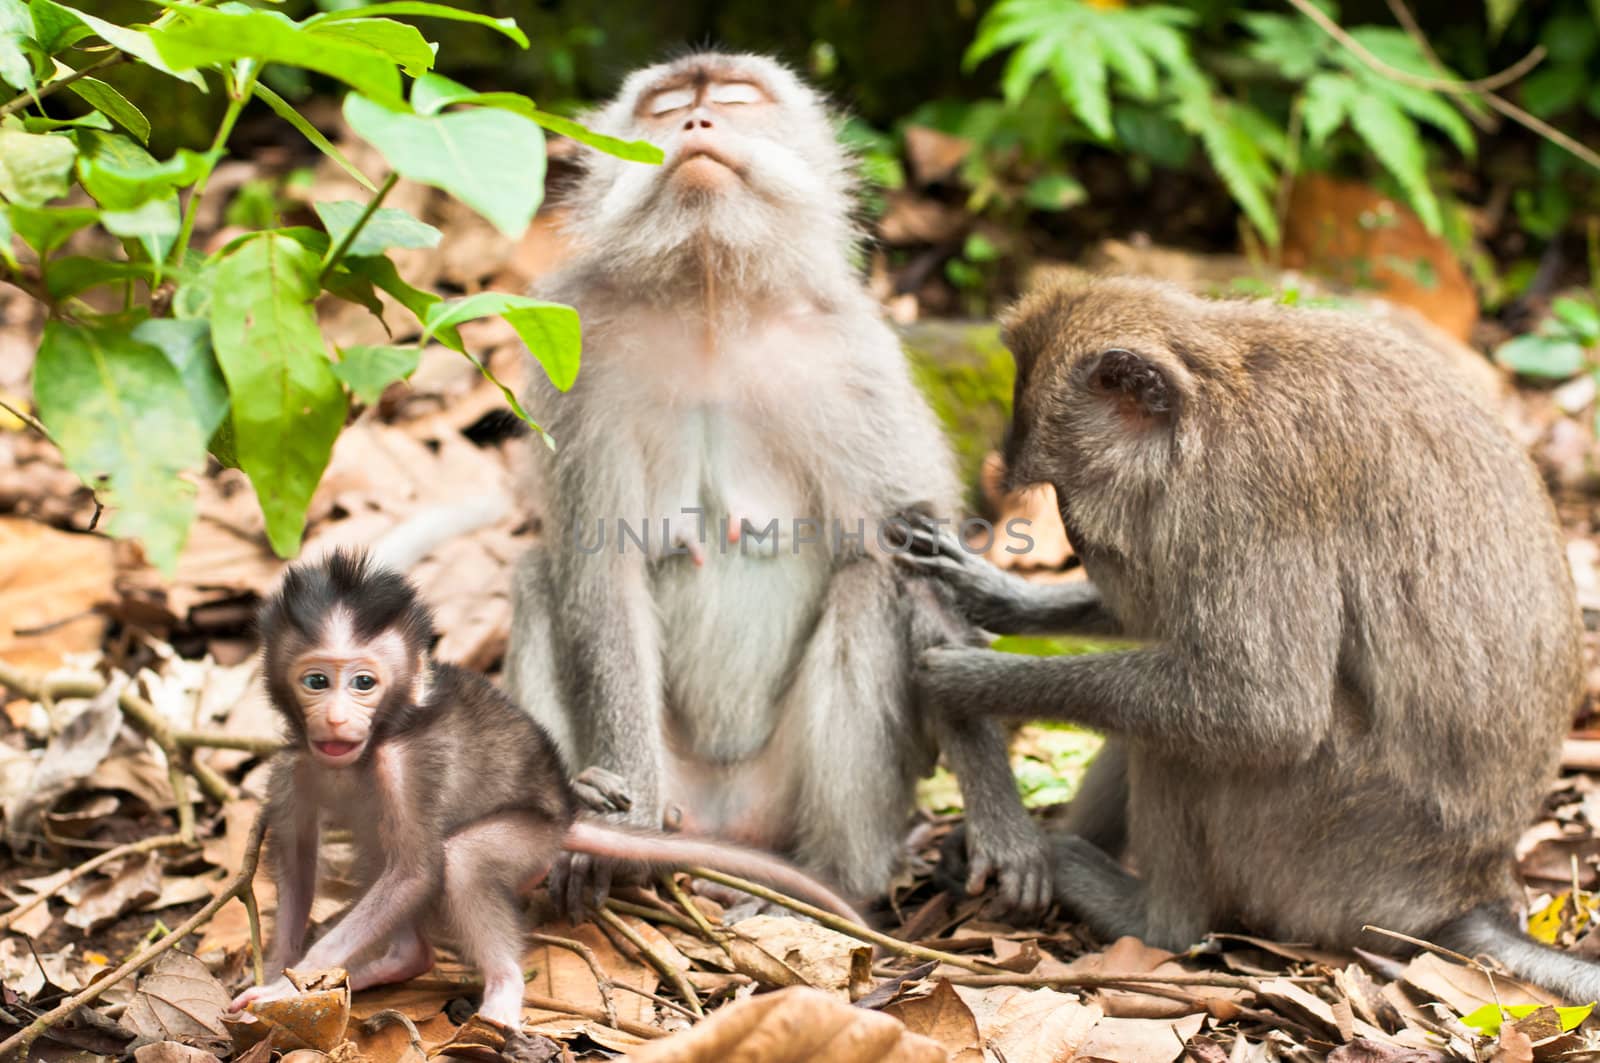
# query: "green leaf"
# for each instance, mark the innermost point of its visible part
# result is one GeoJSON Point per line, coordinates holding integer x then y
{"type": "Point", "coordinates": [200, 36]}
{"type": "Point", "coordinates": [284, 110]}
{"type": "Point", "coordinates": [34, 167]}
{"type": "Point", "coordinates": [46, 228]}
{"type": "Point", "coordinates": [379, 270]}
{"type": "Point", "coordinates": [73, 274]}
{"type": "Point", "coordinates": [118, 409]}
{"type": "Point", "coordinates": [1554, 89]}
{"type": "Point", "coordinates": [54, 28]}
{"type": "Point", "coordinates": [1324, 106]}
{"type": "Point", "coordinates": [187, 345]}
{"type": "Point", "coordinates": [288, 405]}
{"type": "Point", "coordinates": [550, 330]}
{"type": "Point", "coordinates": [1501, 12]}
{"type": "Point", "coordinates": [6, 253]}
{"type": "Point", "coordinates": [403, 44]}
{"type": "Point", "coordinates": [136, 42]}
{"type": "Point", "coordinates": [1489, 1018]}
{"type": "Point", "coordinates": [121, 175]}
{"type": "Point", "coordinates": [113, 105]}
{"type": "Point", "coordinates": [507, 26]}
{"type": "Point", "coordinates": [388, 227]}
{"type": "Point", "coordinates": [368, 370]}
{"type": "Point", "coordinates": [432, 93]}
{"type": "Point", "coordinates": [1393, 138]}
{"type": "Point", "coordinates": [93, 120]}
{"type": "Point", "coordinates": [1541, 356]}
{"type": "Point", "coordinates": [1580, 315]}
{"type": "Point", "coordinates": [453, 152]}
{"type": "Point", "coordinates": [16, 32]}
{"type": "Point", "coordinates": [1055, 191]}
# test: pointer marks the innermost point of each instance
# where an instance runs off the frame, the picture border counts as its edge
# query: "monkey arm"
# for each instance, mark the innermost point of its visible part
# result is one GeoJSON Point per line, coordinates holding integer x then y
{"type": "Point", "coordinates": [295, 834]}
{"type": "Point", "coordinates": [1198, 704]}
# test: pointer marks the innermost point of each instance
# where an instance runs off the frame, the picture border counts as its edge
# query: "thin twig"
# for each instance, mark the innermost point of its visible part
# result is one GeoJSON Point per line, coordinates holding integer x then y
{"type": "Point", "coordinates": [653, 915]}
{"type": "Point", "coordinates": [11, 107]}
{"type": "Point", "coordinates": [1485, 122]}
{"type": "Point", "coordinates": [343, 246]}
{"type": "Point", "coordinates": [180, 793]}
{"type": "Point", "coordinates": [671, 973]}
{"type": "Point", "coordinates": [144, 845]}
{"type": "Point", "coordinates": [261, 747]}
{"type": "Point", "coordinates": [657, 998]}
{"type": "Point", "coordinates": [1499, 103]}
{"type": "Point", "coordinates": [1455, 86]}
{"type": "Point", "coordinates": [1098, 979]}
{"type": "Point", "coordinates": [1450, 954]}
{"type": "Point", "coordinates": [16, 1046]}
{"type": "Point", "coordinates": [844, 926]}
{"type": "Point", "coordinates": [28, 419]}
{"type": "Point", "coordinates": [692, 910]}
{"type": "Point", "coordinates": [586, 954]}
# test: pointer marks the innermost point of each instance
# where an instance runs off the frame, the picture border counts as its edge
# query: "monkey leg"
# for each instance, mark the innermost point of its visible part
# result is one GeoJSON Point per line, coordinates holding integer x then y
{"type": "Point", "coordinates": [486, 866]}
{"type": "Point", "coordinates": [1099, 810]}
{"type": "Point", "coordinates": [848, 736]}
{"type": "Point", "coordinates": [531, 675]}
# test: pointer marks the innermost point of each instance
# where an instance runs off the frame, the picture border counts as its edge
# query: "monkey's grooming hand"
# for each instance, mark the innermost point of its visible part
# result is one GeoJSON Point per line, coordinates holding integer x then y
{"type": "Point", "coordinates": [982, 593]}
{"type": "Point", "coordinates": [957, 680]}
{"type": "Point", "coordinates": [280, 988]}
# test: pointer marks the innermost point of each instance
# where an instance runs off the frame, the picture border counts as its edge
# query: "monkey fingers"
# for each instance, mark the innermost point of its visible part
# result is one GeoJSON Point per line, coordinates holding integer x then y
{"type": "Point", "coordinates": [578, 882]}
{"type": "Point", "coordinates": [279, 988]}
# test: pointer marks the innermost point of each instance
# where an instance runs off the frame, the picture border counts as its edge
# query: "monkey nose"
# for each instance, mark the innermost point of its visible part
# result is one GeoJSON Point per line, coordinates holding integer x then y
{"type": "Point", "coordinates": [696, 122]}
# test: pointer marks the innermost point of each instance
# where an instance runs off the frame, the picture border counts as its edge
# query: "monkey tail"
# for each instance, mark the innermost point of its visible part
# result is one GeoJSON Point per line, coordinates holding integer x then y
{"type": "Point", "coordinates": [1491, 931]}
{"type": "Point", "coordinates": [678, 851]}
{"type": "Point", "coordinates": [420, 534]}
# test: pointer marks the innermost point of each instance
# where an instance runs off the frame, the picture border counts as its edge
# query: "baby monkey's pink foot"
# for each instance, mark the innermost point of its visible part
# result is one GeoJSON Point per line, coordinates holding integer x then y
{"type": "Point", "coordinates": [407, 957]}
{"type": "Point", "coordinates": [279, 988]}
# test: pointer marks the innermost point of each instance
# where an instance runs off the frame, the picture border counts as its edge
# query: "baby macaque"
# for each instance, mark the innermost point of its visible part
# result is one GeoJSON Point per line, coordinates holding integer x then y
{"type": "Point", "coordinates": [1363, 647]}
{"type": "Point", "coordinates": [457, 800]}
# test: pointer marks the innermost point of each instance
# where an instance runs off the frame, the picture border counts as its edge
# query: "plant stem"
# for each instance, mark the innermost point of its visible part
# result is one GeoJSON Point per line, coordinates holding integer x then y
{"type": "Point", "coordinates": [144, 845]}
{"type": "Point", "coordinates": [238, 96]}
{"type": "Point", "coordinates": [343, 246]}
{"type": "Point", "coordinates": [49, 88]}
{"type": "Point", "coordinates": [28, 419]}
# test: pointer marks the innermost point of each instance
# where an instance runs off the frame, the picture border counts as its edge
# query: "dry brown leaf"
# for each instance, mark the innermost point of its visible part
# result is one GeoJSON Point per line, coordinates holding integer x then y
{"type": "Point", "coordinates": [1019, 956]}
{"type": "Point", "coordinates": [823, 958]}
{"type": "Point", "coordinates": [563, 975]}
{"type": "Point", "coordinates": [1364, 1050]}
{"type": "Point", "coordinates": [50, 583]}
{"type": "Point", "coordinates": [943, 1016]}
{"type": "Point", "coordinates": [135, 884]}
{"type": "Point", "coordinates": [934, 155]}
{"type": "Point", "coordinates": [1031, 1025]}
{"type": "Point", "coordinates": [797, 1025]}
{"type": "Point", "coordinates": [179, 1000]}
{"type": "Point", "coordinates": [316, 1020]}
{"type": "Point", "coordinates": [1465, 989]}
{"type": "Point", "coordinates": [1513, 1046]}
{"type": "Point", "coordinates": [390, 1042]}
{"type": "Point", "coordinates": [1140, 1040]}
{"type": "Point", "coordinates": [72, 756]}
{"type": "Point", "coordinates": [172, 1052]}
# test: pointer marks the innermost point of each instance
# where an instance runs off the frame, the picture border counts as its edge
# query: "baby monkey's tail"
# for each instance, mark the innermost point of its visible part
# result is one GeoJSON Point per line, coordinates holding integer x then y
{"type": "Point", "coordinates": [682, 853]}
{"type": "Point", "coordinates": [1492, 931]}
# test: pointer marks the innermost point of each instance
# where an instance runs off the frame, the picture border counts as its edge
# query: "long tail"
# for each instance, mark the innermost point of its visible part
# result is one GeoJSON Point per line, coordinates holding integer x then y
{"type": "Point", "coordinates": [1492, 931]}
{"type": "Point", "coordinates": [419, 535]}
{"type": "Point", "coordinates": [677, 851]}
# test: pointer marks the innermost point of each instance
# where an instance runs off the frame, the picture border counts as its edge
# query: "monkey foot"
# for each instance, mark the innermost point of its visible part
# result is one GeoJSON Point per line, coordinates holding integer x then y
{"type": "Point", "coordinates": [278, 989]}
{"type": "Point", "coordinates": [406, 960]}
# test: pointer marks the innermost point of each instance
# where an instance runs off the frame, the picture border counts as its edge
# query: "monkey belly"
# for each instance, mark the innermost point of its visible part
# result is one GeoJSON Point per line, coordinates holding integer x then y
{"type": "Point", "coordinates": [731, 632]}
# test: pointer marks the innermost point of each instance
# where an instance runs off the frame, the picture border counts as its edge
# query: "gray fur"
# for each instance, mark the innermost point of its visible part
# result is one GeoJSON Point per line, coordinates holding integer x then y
{"type": "Point", "coordinates": [1363, 644]}
{"type": "Point", "coordinates": [733, 363]}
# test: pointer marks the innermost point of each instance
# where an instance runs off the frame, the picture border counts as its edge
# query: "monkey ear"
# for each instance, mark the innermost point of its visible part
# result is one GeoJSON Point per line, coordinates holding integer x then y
{"type": "Point", "coordinates": [1138, 387]}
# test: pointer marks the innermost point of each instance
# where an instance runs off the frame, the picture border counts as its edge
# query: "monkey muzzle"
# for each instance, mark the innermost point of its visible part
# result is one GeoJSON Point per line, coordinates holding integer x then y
{"type": "Point", "coordinates": [336, 752]}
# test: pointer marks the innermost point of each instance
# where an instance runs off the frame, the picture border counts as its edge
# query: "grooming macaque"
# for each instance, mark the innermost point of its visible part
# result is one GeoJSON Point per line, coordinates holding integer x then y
{"type": "Point", "coordinates": [1363, 647]}
{"type": "Point", "coordinates": [711, 616]}
{"type": "Point", "coordinates": [457, 800]}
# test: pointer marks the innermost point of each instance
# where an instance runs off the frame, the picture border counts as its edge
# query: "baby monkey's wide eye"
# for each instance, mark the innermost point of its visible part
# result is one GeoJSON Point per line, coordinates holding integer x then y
{"type": "Point", "coordinates": [364, 682]}
{"type": "Point", "coordinates": [314, 681]}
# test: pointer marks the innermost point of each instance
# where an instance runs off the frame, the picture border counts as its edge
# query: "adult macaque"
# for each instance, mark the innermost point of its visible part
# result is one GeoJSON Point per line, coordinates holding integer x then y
{"type": "Point", "coordinates": [711, 616]}
{"type": "Point", "coordinates": [1363, 643]}
{"type": "Point", "coordinates": [456, 799]}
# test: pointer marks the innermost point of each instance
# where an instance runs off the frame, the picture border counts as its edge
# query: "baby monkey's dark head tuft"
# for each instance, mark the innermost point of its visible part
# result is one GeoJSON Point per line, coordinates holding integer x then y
{"type": "Point", "coordinates": [345, 644]}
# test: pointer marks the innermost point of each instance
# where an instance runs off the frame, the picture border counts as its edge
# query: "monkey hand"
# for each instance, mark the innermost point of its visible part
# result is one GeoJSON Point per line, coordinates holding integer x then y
{"type": "Point", "coordinates": [982, 593]}
{"type": "Point", "coordinates": [279, 988]}
{"type": "Point", "coordinates": [1006, 845]}
{"type": "Point", "coordinates": [579, 881]}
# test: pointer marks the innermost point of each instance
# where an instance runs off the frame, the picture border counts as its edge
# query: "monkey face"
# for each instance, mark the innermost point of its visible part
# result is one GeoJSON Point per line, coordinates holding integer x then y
{"type": "Point", "coordinates": [340, 685]}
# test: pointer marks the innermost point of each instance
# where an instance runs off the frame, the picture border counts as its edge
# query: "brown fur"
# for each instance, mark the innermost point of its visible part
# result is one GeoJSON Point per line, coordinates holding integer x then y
{"type": "Point", "coordinates": [1363, 637]}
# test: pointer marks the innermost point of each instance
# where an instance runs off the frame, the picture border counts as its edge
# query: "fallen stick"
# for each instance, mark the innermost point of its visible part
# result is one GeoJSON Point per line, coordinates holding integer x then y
{"type": "Point", "coordinates": [844, 926]}
{"type": "Point", "coordinates": [679, 980]}
{"type": "Point", "coordinates": [16, 1046]}
{"type": "Point", "coordinates": [1098, 979]}
{"type": "Point", "coordinates": [145, 845]}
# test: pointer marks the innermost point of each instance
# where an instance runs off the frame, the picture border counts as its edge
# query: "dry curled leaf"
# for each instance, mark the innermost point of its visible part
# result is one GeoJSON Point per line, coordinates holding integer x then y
{"type": "Point", "coordinates": [172, 1052]}
{"type": "Point", "coordinates": [943, 1016]}
{"type": "Point", "coordinates": [316, 1020]}
{"type": "Point", "coordinates": [135, 884]}
{"type": "Point", "coordinates": [179, 1000]}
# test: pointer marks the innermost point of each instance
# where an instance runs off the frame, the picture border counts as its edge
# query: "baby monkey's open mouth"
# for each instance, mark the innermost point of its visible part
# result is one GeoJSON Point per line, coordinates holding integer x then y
{"type": "Point", "coordinates": [334, 750]}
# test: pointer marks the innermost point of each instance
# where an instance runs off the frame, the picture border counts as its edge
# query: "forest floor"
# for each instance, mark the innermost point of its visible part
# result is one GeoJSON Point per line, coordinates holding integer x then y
{"type": "Point", "coordinates": [82, 774]}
